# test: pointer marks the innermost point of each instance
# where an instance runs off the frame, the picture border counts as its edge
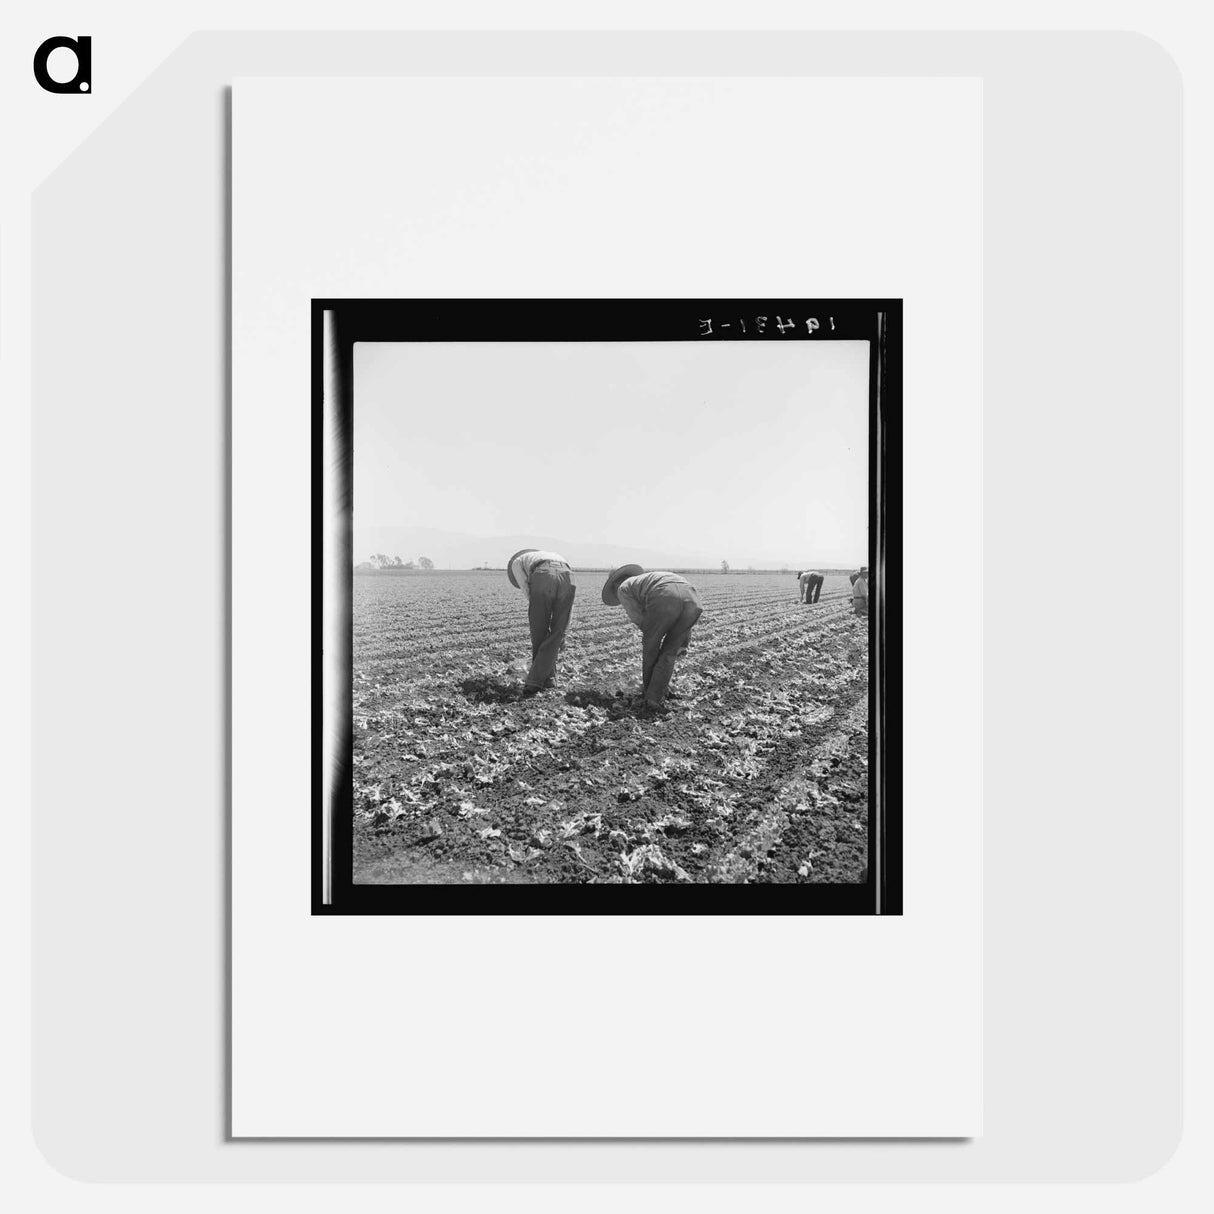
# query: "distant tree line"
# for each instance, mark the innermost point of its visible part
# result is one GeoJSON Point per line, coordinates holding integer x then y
{"type": "Point", "coordinates": [380, 561]}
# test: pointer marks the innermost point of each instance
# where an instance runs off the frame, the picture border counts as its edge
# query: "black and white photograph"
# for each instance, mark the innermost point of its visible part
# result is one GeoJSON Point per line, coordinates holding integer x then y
{"type": "Point", "coordinates": [616, 583]}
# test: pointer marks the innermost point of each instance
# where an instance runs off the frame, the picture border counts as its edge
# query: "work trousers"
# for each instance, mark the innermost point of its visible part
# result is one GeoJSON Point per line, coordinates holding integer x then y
{"type": "Point", "coordinates": [549, 607]}
{"type": "Point", "coordinates": [670, 614]}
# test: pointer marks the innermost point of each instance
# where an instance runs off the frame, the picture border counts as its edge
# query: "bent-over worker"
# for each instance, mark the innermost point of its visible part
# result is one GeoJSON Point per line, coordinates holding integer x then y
{"type": "Point", "coordinates": [665, 607]}
{"type": "Point", "coordinates": [547, 584]}
{"type": "Point", "coordinates": [811, 585]}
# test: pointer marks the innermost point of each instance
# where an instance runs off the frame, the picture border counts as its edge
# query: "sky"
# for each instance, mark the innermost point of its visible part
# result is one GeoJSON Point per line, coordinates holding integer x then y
{"type": "Point", "coordinates": [735, 450]}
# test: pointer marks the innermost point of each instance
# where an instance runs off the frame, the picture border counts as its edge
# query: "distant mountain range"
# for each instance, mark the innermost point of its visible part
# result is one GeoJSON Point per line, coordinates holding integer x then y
{"type": "Point", "coordinates": [455, 550]}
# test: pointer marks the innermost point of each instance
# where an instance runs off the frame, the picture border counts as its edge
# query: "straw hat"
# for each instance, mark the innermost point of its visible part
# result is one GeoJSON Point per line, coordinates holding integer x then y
{"type": "Point", "coordinates": [510, 565]}
{"type": "Point", "coordinates": [611, 587]}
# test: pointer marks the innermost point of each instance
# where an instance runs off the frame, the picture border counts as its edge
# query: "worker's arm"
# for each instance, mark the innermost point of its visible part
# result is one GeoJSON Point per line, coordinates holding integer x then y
{"type": "Point", "coordinates": [633, 607]}
{"type": "Point", "coordinates": [520, 576]}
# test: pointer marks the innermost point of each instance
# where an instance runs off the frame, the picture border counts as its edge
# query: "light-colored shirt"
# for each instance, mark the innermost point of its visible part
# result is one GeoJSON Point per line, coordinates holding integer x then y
{"type": "Point", "coordinates": [523, 565]}
{"type": "Point", "coordinates": [634, 592]}
{"type": "Point", "coordinates": [859, 588]}
{"type": "Point", "coordinates": [807, 575]}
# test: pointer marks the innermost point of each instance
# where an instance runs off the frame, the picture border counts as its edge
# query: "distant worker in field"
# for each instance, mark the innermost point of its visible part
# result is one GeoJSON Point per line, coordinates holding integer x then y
{"type": "Point", "coordinates": [859, 591]}
{"type": "Point", "coordinates": [665, 607]}
{"type": "Point", "coordinates": [547, 584]}
{"type": "Point", "coordinates": [811, 585]}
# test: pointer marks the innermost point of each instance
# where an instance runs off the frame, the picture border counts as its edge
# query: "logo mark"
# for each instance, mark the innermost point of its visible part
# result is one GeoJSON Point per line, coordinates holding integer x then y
{"type": "Point", "coordinates": [82, 48]}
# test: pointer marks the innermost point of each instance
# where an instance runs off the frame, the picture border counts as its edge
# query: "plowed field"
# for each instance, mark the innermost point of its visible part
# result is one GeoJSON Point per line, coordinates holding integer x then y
{"type": "Point", "coordinates": [758, 773]}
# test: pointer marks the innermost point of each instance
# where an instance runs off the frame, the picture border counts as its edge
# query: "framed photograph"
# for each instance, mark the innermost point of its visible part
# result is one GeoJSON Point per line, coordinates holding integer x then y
{"type": "Point", "coordinates": [569, 632]}
{"type": "Point", "coordinates": [606, 606]}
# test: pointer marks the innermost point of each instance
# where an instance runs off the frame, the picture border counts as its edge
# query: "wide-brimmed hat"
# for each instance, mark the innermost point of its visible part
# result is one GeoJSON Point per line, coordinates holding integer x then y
{"type": "Point", "coordinates": [510, 565]}
{"type": "Point", "coordinates": [611, 587]}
